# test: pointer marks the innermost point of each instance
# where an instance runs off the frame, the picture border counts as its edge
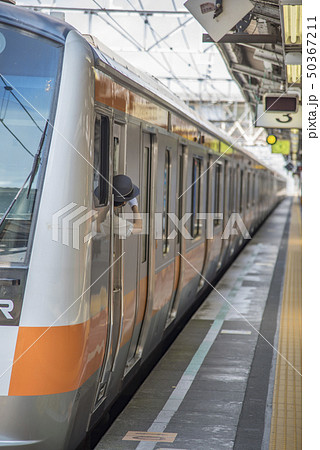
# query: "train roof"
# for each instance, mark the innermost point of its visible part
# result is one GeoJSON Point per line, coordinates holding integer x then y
{"type": "Point", "coordinates": [36, 22]}
{"type": "Point", "coordinates": [58, 30]}
{"type": "Point", "coordinates": [151, 85]}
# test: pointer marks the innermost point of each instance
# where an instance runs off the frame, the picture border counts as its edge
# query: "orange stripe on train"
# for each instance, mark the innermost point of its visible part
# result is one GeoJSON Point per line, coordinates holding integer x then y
{"type": "Point", "coordinates": [57, 359]}
{"type": "Point", "coordinates": [60, 359]}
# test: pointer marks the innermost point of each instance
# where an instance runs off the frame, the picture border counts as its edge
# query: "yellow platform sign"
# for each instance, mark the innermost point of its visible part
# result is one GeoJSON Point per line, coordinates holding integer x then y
{"type": "Point", "coordinates": [281, 146]}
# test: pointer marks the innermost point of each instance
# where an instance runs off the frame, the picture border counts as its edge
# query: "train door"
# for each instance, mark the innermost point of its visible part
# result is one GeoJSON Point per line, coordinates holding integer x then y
{"type": "Point", "coordinates": [103, 294]}
{"type": "Point", "coordinates": [253, 199]}
{"type": "Point", "coordinates": [210, 174]}
{"type": "Point", "coordinates": [227, 207]}
{"type": "Point", "coordinates": [214, 205]}
{"type": "Point", "coordinates": [117, 298]}
{"type": "Point", "coordinates": [113, 264]}
{"type": "Point", "coordinates": [236, 197]}
{"type": "Point", "coordinates": [248, 199]}
{"type": "Point", "coordinates": [142, 254]}
{"type": "Point", "coordinates": [145, 262]}
{"type": "Point", "coordinates": [165, 242]}
{"type": "Point", "coordinates": [180, 240]}
{"type": "Point", "coordinates": [195, 206]}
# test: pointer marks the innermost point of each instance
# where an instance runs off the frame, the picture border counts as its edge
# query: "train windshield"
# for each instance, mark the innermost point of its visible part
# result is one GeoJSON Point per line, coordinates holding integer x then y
{"type": "Point", "coordinates": [28, 79]}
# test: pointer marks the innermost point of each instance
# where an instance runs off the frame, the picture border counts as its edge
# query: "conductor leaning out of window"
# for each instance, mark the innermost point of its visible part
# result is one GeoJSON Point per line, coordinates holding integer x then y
{"type": "Point", "coordinates": [124, 192]}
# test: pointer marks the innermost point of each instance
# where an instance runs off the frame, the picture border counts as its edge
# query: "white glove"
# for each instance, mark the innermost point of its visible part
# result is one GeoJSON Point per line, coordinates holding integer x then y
{"type": "Point", "coordinates": [133, 202]}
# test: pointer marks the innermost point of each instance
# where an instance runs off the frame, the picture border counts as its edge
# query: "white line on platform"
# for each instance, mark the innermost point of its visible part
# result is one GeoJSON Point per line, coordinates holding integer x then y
{"type": "Point", "coordinates": [235, 332]}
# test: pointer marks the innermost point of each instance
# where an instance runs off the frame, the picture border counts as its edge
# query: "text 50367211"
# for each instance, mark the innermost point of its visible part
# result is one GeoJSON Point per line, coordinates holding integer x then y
{"type": "Point", "coordinates": [311, 47]}
{"type": "Point", "coordinates": [313, 101]}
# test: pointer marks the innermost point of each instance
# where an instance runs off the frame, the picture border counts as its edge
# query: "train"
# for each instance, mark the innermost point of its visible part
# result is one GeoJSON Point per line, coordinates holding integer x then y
{"type": "Point", "coordinates": [81, 310]}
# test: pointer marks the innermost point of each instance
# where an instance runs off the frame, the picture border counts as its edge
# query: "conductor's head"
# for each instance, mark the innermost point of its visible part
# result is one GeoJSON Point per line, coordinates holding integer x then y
{"type": "Point", "coordinates": [123, 190]}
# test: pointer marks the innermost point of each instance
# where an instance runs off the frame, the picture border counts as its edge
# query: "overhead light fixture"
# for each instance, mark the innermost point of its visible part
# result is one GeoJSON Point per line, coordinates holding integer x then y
{"type": "Point", "coordinates": [292, 22]}
{"type": "Point", "coordinates": [294, 58]}
{"type": "Point", "coordinates": [293, 73]}
{"type": "Point", "coordinates": [293, 62]}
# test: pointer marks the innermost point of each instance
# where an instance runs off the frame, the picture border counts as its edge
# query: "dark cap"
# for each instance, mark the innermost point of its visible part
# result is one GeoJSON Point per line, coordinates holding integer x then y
{"type": "Point", "coordinates": [123, 189]}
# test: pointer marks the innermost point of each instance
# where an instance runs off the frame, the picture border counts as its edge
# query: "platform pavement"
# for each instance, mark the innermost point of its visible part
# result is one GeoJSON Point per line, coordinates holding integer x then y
{"type": "Point", "coordinates": [197, 395]}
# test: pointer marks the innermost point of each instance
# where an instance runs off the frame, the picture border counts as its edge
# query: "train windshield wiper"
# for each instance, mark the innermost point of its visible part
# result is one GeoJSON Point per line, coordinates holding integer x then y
{"type": "Point", "coordinates": [36, 159]}
{"type": "Point", "coordinates": [30, 177]}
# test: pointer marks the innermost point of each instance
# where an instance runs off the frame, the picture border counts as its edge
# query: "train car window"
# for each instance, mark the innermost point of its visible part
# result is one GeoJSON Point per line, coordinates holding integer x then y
{"type": "Point", "coordinates": [248, 190]}
{"type": "Point", "coordinates": [236, 189]}
{"type": "Point", "coordinates": [260, 178]}
{"type": "Point", "coordinates": [101, 161]}
{"type": "Point", "coordinates": [144, 198]}
{"type": "Point", "coordinates": [253, 189]}
{"type": "Point", "coordinates": [116, 155]}
{"type": "Point", "coordinates": [166, 202]}
{"type": "Point", "coordinates": [230, 206]}
{"type": "Point", "coordinates": [180, 186]}
{"type": "Point", "coordinates": [241, 191]}
{"type": "Point", "coordinates": [217, 192]}
{"type": "Point", "coordinates": [180, 192]}
{"type": "Point", "coordinates": [195, 197]}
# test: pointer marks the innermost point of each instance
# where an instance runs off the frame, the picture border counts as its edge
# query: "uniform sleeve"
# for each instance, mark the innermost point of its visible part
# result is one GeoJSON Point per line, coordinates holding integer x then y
{"type": "Point", "coordinates": [105, 227]}
{"type": "Point", "coordinates": [121, 227]}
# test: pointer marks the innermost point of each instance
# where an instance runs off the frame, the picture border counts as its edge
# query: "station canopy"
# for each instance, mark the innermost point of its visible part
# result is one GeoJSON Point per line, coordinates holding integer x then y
{"type": "Point", "coordinates": [165, 40]}
{"type": "Point", "coordinates": [161, 38]}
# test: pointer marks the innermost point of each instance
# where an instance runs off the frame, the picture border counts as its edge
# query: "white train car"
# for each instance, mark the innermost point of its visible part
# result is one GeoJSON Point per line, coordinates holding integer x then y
{"type": "Point", "coordinates": [81, 309]}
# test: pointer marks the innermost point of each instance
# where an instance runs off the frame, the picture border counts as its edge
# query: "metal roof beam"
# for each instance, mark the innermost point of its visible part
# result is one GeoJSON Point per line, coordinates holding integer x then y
{"type": "Point", "coordinates": [154, 34]}
{"type": "Point", "coordinates": [238, 38]}
{"type": "Point", "coordinates": [254, 73]}
{"type": "Point", "coordinates": [124, 34]}
{"type": "Point", "coordinates": [197, 79]}
{"type": "Point", "coordinates": [179, 27]}
{"type": "Point", "coordinates": [141, 12]}
{"type": "Point", "coordinates": [277, 48]}
{"type": "Point", "coordinates": [270, 13]}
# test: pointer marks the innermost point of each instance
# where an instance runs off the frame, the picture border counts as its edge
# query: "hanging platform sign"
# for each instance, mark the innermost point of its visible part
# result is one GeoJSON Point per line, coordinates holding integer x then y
{"type": "Point", "coordinates": [281, 146]}
{"type": "Point", "coordinates": [216, 17]}
{"type": "Point", "coordinates": [268, 119]}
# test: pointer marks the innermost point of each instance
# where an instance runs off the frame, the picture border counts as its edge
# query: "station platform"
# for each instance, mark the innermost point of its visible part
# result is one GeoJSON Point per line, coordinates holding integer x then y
{"type": "Point", "coordinates": [232, 378]}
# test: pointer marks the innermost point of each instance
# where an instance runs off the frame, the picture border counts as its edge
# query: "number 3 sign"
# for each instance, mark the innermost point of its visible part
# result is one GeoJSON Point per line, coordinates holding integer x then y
{"type": "Point", "coordinates": [277, 120]}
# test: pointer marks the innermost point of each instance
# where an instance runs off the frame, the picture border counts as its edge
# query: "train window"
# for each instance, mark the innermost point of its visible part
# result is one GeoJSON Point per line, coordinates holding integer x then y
{"type": "Point", "coordinates": [116, 155]}
{"type": "Point", "coordinates": [166, 202]}
{"type": "Point", "coordinates": [180, 202]}
{"type": "Point", "coordinates": [241, 191]}
{"type": "Point", "coordinates": [236, 189]}
{"type": "Point", "coordinates": [144, 197]}
{"type": "Point", "coordinates": [195, 197]}
{"type": "Point", "coordinates": [180, 186]}
{"type": "Point", "coordinates": [101, 161]}
{"type": "Point", "coordinates": [252, 188]}
{"type": "Point", "coordinates": [217, 190]}
{"type": "Point", "coordinates": [248, 190]}
{"type": "Point", "coordinates": [230, 206]}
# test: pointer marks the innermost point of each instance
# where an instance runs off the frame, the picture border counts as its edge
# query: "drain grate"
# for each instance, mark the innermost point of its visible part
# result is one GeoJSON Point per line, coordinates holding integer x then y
{"type": "Point", "coordinates": [149, 436]}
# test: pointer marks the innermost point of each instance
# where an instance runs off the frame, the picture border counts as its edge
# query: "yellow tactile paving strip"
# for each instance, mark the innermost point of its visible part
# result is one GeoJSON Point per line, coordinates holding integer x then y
{"type": "Point", "coordinates": [286, 425]}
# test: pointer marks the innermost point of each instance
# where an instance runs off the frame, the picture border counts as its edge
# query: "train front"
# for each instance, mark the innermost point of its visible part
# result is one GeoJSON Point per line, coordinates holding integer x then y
{"type": "Point", "coordinates": [38, 379]}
